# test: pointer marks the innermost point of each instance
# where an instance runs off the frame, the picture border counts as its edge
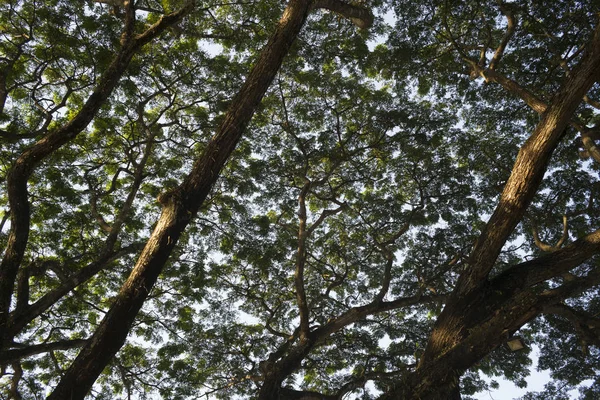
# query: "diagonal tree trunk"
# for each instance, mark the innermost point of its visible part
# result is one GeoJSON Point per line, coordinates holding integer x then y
{"type": "Point", "coordinates": [479, 313]}
{"type": "Point", "coordinates": [179, 207]}
{"type": "Point", "coordinates": [492, 313]}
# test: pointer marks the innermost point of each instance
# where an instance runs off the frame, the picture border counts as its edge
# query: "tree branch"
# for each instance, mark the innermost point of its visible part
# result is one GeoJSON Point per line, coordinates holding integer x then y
{"type": "Point", "coordinates": [571, 287]}
{"type": "Point", "coordinates": [18, 320]}
{"type": "Point", "coordinates": [326, 213]}
{"type": "Point", "coordinates": [294, 355]}
{"type": "Point", "coordinates": [513, 87]}
{"type": "Point", "coordinates": [360, 16]}
{"type": "Point", "coordinates": [14, 383]}
{"type": "Point", "coordinates": [589, 144]}
{"type": "Point", "coordinates": [138, 177]}
{"type": "Point", "coordinates": [549, 248]}
{"type": "Point", "coordinates": [461, 309]}
{"type": "Point", "coordinates": [179, 206]}
{"type": "Point", "coordinates": [588, 135]}
{"type": "Point", "coordinates": [9, 356]}
{"type": "Point", "coordinates": [165, 22]}
{"type": "Point", "coordinates": [592, 102]}
{"type": "Point", "coordinates": [387, 277]}
{"type": "Point", "coordinates": [22, 169]}
{"type": "Point", "coordinates": [510, 30]}
{"type": "Point", "coordinates": [586, 326]}
{"type": "Point", "coordinates": [529, 168]}
{"type": "Point", "coordinates": [357, 313]}
{"type": "Point", "coordinates": [301, 262]}
{"type": "Point", "coordinates": [532, 272]}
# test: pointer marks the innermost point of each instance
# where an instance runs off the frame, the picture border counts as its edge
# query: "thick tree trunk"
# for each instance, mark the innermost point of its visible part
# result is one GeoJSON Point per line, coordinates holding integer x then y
{"type": "Point", "coordinates": [179, 206]}
{"type": "Point", "coordinates": [480, 314]}
{"type": "Point", "coordinates": [527, 173]}
{"type": "Point", "coordinates": [488, 316]}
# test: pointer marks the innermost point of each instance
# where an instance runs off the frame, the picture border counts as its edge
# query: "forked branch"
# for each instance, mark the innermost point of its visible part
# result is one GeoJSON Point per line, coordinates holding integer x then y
{"type": "Point", "coordinates": [22, 169]}
{"type": "Point", "coordinates": [549, 248]}
{"type": "Point", "coordinates": [510, 31]}
{"type": "Point", "coordinates": [530, 167]}
{"type": "Point", "coordinates": [301, 263]}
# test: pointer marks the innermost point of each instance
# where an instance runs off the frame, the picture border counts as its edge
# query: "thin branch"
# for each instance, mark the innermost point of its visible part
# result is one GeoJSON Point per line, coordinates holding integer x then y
{"type": "Point", "coordinates": [18, 321]}
{"type": "Point", "coordinates": [586, 325]}
{"type": "Point", "coordinates": [301, 262]}
{"type": "Point", "coordinates": [387, 278]}
{"type": "Point", "coordinates": [589, 144]}
{"type": "Point", "coordinates": [472, 63]}
{"type": "Point", "coordinates": [513, 87]}
{"type": "Point", "coordinates": [137, 181]}
{"type": "Point", "coordinates": [14, 382]}
{"type": "Point", "coordinates": [323, 216]}
{"type": "Point", "coordinates": [94, 209]}
{"type": "Point", "coordinates": [592, 102]}
{"type": "Point", "coordinates": [510, 30]}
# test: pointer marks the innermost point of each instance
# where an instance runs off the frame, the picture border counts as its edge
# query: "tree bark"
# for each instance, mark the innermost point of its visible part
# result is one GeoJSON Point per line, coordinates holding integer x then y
{"type": "Point", "coordinates": [530, 167]}
{"type": "Point", "coordinates": [179, 206]}
{"type": "Point", "coordinates": [489, 315]}
{"type": "Point", "coordinates": [480, 314]}
{"type": "Point", "coordinates": [10, 356]}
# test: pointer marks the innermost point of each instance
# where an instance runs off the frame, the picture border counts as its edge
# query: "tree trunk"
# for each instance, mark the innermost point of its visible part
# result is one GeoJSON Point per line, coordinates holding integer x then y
{"type": "Point", "coordinates": [527, 173]}
{"type": "Point", "coordinates": [179, 206]}
{"type": "Point", "coordinates": [484, 319]}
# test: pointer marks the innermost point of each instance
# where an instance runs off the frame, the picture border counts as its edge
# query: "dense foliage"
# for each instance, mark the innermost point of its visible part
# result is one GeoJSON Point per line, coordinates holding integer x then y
{"type": "Point", "coordinates": [412, 190]}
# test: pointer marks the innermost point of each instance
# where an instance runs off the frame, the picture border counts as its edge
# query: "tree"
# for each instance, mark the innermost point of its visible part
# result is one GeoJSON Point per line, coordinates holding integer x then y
{"type": "Point", "coordinates": [201, 200]}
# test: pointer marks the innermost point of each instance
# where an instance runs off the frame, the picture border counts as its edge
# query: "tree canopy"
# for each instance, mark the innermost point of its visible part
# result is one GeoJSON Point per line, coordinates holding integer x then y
{"type": "Point", "coordinates": [312, 199]}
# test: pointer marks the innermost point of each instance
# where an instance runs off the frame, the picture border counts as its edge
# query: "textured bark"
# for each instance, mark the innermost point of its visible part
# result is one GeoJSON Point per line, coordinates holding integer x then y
{"type": "Point", "coordinates": [480, 313]}
{"type": "Point", "coordinates": [529, 168]}
{"type": "Point", "coordinates": [491, 314]}
{"type": "Point", "coordinates": [179, 206]}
